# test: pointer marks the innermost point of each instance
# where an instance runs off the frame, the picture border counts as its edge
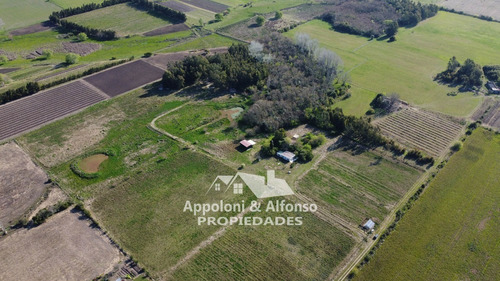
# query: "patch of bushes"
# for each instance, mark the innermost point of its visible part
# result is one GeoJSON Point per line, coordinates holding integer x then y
{"type": "Point", "coordinates": [419, 157]}
{"type": "Point", "coordinates": [492, 72]}
{"type": "Point", "coordinates": [467, 75]}
{"type": "Point", "coordinates": [45, 213]}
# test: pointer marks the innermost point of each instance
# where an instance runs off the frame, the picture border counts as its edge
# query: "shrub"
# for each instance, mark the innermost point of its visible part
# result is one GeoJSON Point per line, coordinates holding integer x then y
{"type": "Point", "coordinates": [82, 36]}
{"type": "Point", "coordinates": [219, 17]}
{"type": "Point", "coordinates": [278, 15]}
{"type": "Point", "coordinates": [457, 146]}
{"type": "Point", "coordinates": [260, 20]}
{"type": "Point", "coordinates": [72, 58]}
{"type": "Point", "coordinates": [148, 54]}
{"type": "Point", "coordinates": [3, 59]}
{"type": "Point", "coordinates": [47, 54]}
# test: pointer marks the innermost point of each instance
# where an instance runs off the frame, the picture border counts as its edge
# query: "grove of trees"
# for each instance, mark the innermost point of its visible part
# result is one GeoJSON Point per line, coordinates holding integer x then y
{"type": "Point", "coordinates": [467, 75]}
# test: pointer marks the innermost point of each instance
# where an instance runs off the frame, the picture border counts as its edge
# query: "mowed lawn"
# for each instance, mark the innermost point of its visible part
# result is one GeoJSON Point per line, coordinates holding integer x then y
{"type": "Point", "coordinates": [408, 66]}
{"type": "Point", "coordinates": [73, 3]}
{"type": "Point", "coordinates": [122, 18]}
{"type": "Point", "coordinates": [20, 13]}
{"type": "Point", "coordinates": [358, 186]}
{"type": "Point", "coordinates": [307, 252]}
{"type": "Point", "coordinates": [452, 231]}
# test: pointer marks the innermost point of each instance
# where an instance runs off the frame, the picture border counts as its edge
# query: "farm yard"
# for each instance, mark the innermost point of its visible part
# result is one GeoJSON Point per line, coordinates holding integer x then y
{"type": "Point", "coordinates": [66, 247]}
{"type": "Point", "coordinates": [377, 66]}
{"type": "Point", "coordinates": [357, 186]}
{"type": "Point", "coordinates": [30, 112]}
{"type": "Point", "coordinates": [306, 252]}
{"type": "Point", "coordinates": [22, 183]}
{"type": "Point", "coordinates": [429, 132]}
{"type": "Point", "coordinates": [451, 231]}
{"type": "Point", "coordinates": [122, 18]}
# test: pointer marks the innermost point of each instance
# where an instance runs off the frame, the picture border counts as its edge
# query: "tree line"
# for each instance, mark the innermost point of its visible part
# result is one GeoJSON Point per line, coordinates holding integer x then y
{"type": "Point", "coordinates": [153, 9]}
{"type": "Point", "coordinates": [236, 69]}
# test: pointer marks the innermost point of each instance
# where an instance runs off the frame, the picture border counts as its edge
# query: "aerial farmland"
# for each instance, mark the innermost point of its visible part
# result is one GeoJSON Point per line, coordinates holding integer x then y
{"type": "Point", "coordinates": [249, 140]}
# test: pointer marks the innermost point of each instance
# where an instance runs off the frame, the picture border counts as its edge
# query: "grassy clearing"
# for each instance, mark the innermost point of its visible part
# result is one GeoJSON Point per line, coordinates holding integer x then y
{"type": "Point", "coordinates": [122, 18]}
{"type": "Point", "coordinates": [20, 13]}
{"type": "Point", "coordinates": [307, 252]}
{"type": "Point", "coordinates": [358, 186]}
{"type": "Point", "coordinates": [452, 231]}
{"type": "Point", "coordinates": [210, 41]}
{"type": "Point", "coordinates": [408, 65]}
{"type": "Point", "coordinates": [73, 3]}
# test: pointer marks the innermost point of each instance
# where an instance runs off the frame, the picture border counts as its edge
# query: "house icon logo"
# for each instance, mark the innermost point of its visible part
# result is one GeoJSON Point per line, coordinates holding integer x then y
{"type": "Point", "coordinates": [257, 184]}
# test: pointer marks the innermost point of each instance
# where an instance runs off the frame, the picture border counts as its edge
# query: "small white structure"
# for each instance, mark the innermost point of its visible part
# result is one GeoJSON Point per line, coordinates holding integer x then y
{"type": "Point", "coordinates": [247, 143]}
{"type": "Point", "coordinates": [368, 225]}
{"type": "Point", "coordinates": [287, 156]}
{"type": "Point", "coordinates": [295, 137]}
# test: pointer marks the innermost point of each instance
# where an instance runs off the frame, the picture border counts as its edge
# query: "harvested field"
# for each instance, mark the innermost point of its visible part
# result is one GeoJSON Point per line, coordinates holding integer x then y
{"type": "Point", "coordinates": [430, 132]}
{"type": "Point", "coordinates": [81, 49]}
{"type": "Point", "coordinates": [33, 29]}
{"type": "Point", "coordinates": [207, 5]}
{"type": "Point", "coordinates": [126, 77]}
{"type": "Point", "coordinates": [492, 116]}
{"type": "Point", "coordinates": [30, 112]}
{"type": "Point", "coordinates": [66, 247]}
{"type": "Point", "coordinates": [472, 7]}
{"type": "Point", "coordinates": [167, 29]}
{"type": "Point", "coordinates": [8, 70]}
{"type": "Point", "coordinates": [174, 5]}
{"type": "Point", "coordinates": [22, 183]}
{"type": "Point", "coordinates": [91, 164]}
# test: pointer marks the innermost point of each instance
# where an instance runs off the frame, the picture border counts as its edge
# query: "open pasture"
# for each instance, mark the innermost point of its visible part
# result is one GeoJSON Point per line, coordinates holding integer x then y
{"type": "Point", "coordinates": [22, 183]}
{"type": "Point", "coordinates": [451, 232]}
{"type": "Point", "coordinates": [73, 3]}
{"type": "Point", "coordinates": [307, 252]}
{"type": "Point", "coordinates": [66, 247]}
{"type": "Point", "coordinates": [417, 129]}
{"type": "Point", "coordinates": [178, 6]}
{"type": "Point", "coordinates": [407, 67]}
{"type": "Point", "coordinates": [358, 186]}
{"type": "Point", "coordinates": [20, 13]}
{"type": "Point", "coordinates": [122, 18]}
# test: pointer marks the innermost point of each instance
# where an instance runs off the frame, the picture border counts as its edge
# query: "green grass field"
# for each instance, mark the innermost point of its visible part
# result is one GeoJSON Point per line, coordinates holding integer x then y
{"type": "Point", "coordinates": [358, 186]}
{"type": "Point", "coordinates": [122, 18]}
{"type": "Point", "coordinates": [73, 3]}
{"type": "Point", "coordinates": [307, 252]}
{"type": "Point", "coordinates": [451, 233]}
{"type": "Point", "coordinates": [407, 66]}
{"type": "Point", "coordinates": [210, 41]}
{"type": "Point", "coordinates": [20, 13]}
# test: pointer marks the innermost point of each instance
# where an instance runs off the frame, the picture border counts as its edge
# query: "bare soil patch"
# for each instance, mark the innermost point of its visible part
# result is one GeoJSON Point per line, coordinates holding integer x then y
{"type": "Point", "coordinates": [91, 164]}
{"type": "Point", "coordinates": [66, 247]}
{"type": "Point", "coordinates": [8, 70]}
{"type": "Point", "coordinates": [167, 29]}
{"type": "Point", "coordinates": [9, 55]}
{"type": "Point", "coordinates": [54, 196]}
{"type": "Point", "coordinates": [125, 78]}
{"type": "Point", "coordinates": [33, 28]}
{"type": "Point", "coordinates": [81, 49]}
{"type": "Point", "coordinates": [22, 183]}
{"type": "Point", "coordinates": [207, 5]}
{"type": "Point", "coordinates": [174, 5]}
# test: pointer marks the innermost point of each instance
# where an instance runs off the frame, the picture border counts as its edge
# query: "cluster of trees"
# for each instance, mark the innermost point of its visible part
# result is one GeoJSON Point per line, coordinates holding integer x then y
{"type": "Point", "coordinates": [467, 75]}
{"type": "Point", "coordinates": [33, 87]}
{"type": "Point", "coordinates": [45, 213]}
{"type": "Point", "coordinates": [100, 34]}
{"type": "Point", "coordinates": [492, 72]}
{"type": "Point", "coordinates": [419, 157]}
{"type": "Point", "coordinates": [301, 76]}
{"type": "Point", "coordinates": [411, 13]}
{"type": "Point", "coordinates": [373, 18]}
{"type": "Point", "coordinates": [302, 147]}
{"type": "Point", "coordinates": [236, 69]}
{"type": "Point", "coordinates": [383, 104]}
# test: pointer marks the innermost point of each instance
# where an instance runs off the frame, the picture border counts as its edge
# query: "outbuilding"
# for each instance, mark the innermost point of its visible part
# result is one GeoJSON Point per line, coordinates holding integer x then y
{"type": "Point", "coordinates": [246, 144]}
{"type": "Point", "coordinates": [368, 225]}
{"type": "Point", "coordinates": [287, 156]}
{"type": "Point", "coordinates": [492, 87]}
